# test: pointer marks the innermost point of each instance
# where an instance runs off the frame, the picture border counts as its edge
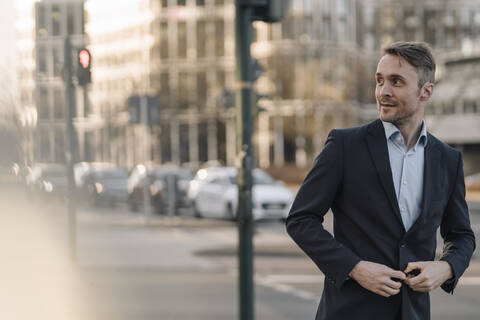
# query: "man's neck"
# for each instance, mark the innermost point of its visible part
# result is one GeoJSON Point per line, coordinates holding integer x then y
{"type": "Point", "coordinates": [410, 132]}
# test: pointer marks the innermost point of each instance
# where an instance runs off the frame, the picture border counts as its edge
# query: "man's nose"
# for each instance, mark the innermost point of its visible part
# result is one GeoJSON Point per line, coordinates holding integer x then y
{"type": "Point", "coordinates": [385, 90]}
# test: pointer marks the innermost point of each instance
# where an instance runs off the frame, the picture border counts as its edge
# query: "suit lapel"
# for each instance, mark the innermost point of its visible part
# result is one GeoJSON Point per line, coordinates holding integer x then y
{"type": "Point", "coordinates": [377, 145]}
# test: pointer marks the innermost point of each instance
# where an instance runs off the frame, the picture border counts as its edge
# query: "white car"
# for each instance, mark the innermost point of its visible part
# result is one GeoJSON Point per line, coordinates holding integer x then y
{"type": "Point", "coordinates": [213, 193]}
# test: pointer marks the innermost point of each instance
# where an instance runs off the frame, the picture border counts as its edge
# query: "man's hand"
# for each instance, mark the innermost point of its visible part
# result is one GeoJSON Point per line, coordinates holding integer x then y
{"type": "Point", "coordinates": [432, 275]}
{"type": "Point", "coordinates": [378, 278]}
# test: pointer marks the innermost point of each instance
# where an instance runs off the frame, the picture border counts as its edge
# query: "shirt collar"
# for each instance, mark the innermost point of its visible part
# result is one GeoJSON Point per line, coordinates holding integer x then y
{"type": "Point", "coordinates": [391, 131]}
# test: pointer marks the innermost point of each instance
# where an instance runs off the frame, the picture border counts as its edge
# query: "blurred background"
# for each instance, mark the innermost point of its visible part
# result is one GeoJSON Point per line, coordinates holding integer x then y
{"type": "Point", "coordinates": [154, 146]}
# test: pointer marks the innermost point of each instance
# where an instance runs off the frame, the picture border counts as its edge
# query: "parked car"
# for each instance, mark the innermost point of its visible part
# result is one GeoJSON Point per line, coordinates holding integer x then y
{"type": "Point", "coordinates": [12, 179]}
{"type": "Point", "coordinates": [472, 182]}
{"type": "Point", "coordinates": [213, 193]}
{"type": "Point", "coordinates": [106, 185]}
{"type": "Point", "coordinates": [48, 181]}
{"type": "Point", "coordinates": [161, 180]}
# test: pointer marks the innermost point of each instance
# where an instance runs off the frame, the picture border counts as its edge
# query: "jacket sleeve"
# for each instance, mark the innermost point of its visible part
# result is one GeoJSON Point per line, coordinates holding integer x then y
{"type": "Point", "coordinates": [314, 198]}
{"type": "Point", "coordinates": [459, 239]}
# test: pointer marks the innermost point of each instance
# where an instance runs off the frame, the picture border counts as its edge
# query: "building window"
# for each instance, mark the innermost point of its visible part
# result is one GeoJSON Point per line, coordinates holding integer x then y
{"type": "Point", "coordinates": [448, 108]}
{"type": "Point", "coordinates": [220, 79]}
{"type": "Point", "coordinates": [200, 2]}
{"type": "Point", "coordinates": [286, 79]}
{"type": "Point", "coordinates": [202, 142]}
{"type": "Point", "coordinates": [41, 26]}
{"type": "Point", "coordinates": [306, 27]}
{"type": "Point", "coordinates": [56, 17]}
{"type": "Point", "coordinates": [183, 90]}
{"type": "Point", "coordinates": [469, 106]}
{"type": "Point", "coordinates": [201, 37]}
{"type": "Point", "coordinates": [410, 22]}
{"type": "Point", "coordinates": [165, 142]}
{"type": "Point", "coordinates": [288, 28]}
{"type": "Point", "coordinates": [42, 103]}
{"type": "Point", "coordinates": [164, 3]}
{"type": "Point", "coordinates": [201, 89]}
{"type": "Point", "coordinates": [70, 19]}
{"type": "Point", "coordinates": [182, 39]}
{"type": "Point", "coordinates": [219, 38]}
{"type": "Point", "coordinates": [42, 62]}
{"type": "Point", "coordinates": [184, 143]}
{"type": "Point", "coordinates": [163, 40]}
{"type": "Point", "coordinates": [165, 89]}
{"type": "Point", "coordinates": [82, 19]}
{"type": "Point", "coordinates": [430, 27]}
{"type": "Point", "coordinates": [57, 62]}
{"type": "Point", "coordinates": [58, 103]}
{"type": "Point", "coordinates": [181, 2]}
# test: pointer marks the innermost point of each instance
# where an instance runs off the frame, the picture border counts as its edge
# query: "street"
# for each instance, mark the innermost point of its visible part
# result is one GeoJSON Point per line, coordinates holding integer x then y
{"type": "Point", "coordinates": [161, 267]}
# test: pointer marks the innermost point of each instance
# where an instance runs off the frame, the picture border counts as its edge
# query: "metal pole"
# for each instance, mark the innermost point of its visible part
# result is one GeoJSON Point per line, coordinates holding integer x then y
{"type": "Point", "coordinates": [70, 144]}
{"type": "Point", "coordinates": [244, 117]}
{"type": "Point", "coordinates": [146, 157]}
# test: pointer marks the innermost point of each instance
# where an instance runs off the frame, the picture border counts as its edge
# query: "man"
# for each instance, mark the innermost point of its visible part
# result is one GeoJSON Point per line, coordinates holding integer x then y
{"type": "Point", "coordinates": [390, 185]}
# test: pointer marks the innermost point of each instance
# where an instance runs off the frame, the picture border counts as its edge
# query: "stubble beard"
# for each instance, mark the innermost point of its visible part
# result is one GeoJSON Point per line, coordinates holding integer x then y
{"type": "Point", "coordinates": [400, 119]}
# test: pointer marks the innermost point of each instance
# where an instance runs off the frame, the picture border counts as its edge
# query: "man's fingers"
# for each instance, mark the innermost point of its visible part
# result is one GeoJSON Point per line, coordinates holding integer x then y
{"type": "Point", "coordinates": [382, 293]}
{"type": "Point", "coordinates": [415, 281]}
{"type": "Point", "coordinates": [413, 266]}
{"type": "Point", "coordinates": [423, 288]}
{"type": "Point", "coordinates": [387, 291]}
{"type": "Point", "coordinates": [397, 274]}
{"type": "Point", "coordinates": [393, 284]}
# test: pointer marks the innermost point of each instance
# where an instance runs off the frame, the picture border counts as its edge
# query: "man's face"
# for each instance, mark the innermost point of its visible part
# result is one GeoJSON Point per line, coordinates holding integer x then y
{"type": "Point", "coordinates": [399, 100]}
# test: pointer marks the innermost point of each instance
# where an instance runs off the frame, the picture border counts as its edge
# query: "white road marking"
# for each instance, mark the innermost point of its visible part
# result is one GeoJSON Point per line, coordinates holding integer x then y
{"type": "Point", "coordinates": [469, 281]}
{"type": "Point", "coordinates": [285, 288]}
{"type": "Point", "coordinates": [294, 278]}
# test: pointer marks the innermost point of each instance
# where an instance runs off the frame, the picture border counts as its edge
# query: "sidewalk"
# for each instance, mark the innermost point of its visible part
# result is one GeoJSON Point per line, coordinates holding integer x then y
{"type": "Point", "coordinates": [128, 240]}
{"type": "Point", "coordinates": [474, 206]}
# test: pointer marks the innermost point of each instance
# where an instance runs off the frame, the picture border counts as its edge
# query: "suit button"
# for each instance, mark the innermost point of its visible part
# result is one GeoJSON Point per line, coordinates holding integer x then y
{"type": "Point", "coordinates": [403, 245]}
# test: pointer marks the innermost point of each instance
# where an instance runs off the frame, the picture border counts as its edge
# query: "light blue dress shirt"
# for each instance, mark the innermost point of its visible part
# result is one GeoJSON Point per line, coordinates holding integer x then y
{"type": "Point", "coordinates": [407, 171]}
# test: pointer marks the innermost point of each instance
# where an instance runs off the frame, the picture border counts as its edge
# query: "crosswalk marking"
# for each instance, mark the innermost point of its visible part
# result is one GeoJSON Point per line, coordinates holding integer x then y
{"type": "Point", "coordinates": [294, 278]}
{"type": "Point", "coordinates": [469, 281]}
{"type": "Point", "coordinates": [285, 288]}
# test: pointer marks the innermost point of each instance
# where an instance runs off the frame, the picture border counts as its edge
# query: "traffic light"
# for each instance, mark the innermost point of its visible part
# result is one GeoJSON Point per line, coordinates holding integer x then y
{"type": "Point", "coordinates": [266, 10]}
{"type": "Point", "coordinates": [84, 61]}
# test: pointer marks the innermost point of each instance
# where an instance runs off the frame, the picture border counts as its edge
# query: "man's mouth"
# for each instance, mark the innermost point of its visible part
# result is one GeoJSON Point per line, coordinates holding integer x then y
{"type": "Point", "coordinates": [387, 105]}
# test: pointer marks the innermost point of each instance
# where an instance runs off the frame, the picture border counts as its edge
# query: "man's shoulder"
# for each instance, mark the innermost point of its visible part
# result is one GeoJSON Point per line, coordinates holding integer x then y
{"type": "Point", "coordinates": [442, 146]}
{"type": "Point", "coordinates": [359, 130]}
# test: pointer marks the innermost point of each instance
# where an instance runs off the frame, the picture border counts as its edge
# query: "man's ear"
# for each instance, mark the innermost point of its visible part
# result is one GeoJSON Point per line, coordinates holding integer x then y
{"type": "Point", "coordinates": [426, 91]}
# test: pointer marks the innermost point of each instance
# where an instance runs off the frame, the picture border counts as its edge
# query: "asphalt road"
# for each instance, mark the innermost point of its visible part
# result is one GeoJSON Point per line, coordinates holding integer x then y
{"type": "Point", "coordinates": [189, 271]}
{"type": "Point", "coordinates": [179, 268]}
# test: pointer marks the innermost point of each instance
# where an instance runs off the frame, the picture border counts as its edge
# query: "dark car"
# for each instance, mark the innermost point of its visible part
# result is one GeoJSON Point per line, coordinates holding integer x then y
{"type": "Point", "coordinates": [106, 185]}
{"type": "Point", "coordinates": [165, 182]}
{"type": "Point", "coordinates": [47, 181]}
{"type": "Point", "coordinates": [12, 180]}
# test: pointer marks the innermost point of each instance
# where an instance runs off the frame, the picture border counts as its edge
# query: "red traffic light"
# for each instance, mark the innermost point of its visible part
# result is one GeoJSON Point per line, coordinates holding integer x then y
{"type": "Point", "coordinates": [84, 58]}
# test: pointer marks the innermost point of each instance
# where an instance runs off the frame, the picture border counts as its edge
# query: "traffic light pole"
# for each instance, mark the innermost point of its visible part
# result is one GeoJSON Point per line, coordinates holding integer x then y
{"type": "Point", "coordinates": [146, 156]}
{"type": "Point", "coordinates": [244, 117]}
{"type": "Point", "coordinates": [70, 144]}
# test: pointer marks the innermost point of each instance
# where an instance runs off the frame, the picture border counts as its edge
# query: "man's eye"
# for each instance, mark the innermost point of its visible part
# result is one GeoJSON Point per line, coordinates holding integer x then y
{"type": "Point", "coordinates": [379, 81]}
{"type": "Point", "coordinates": [396, 82]}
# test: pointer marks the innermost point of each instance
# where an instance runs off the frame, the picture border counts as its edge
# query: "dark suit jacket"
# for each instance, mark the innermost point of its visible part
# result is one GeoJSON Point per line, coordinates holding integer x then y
{"type": "Point", "coordinates": [352, 176]}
